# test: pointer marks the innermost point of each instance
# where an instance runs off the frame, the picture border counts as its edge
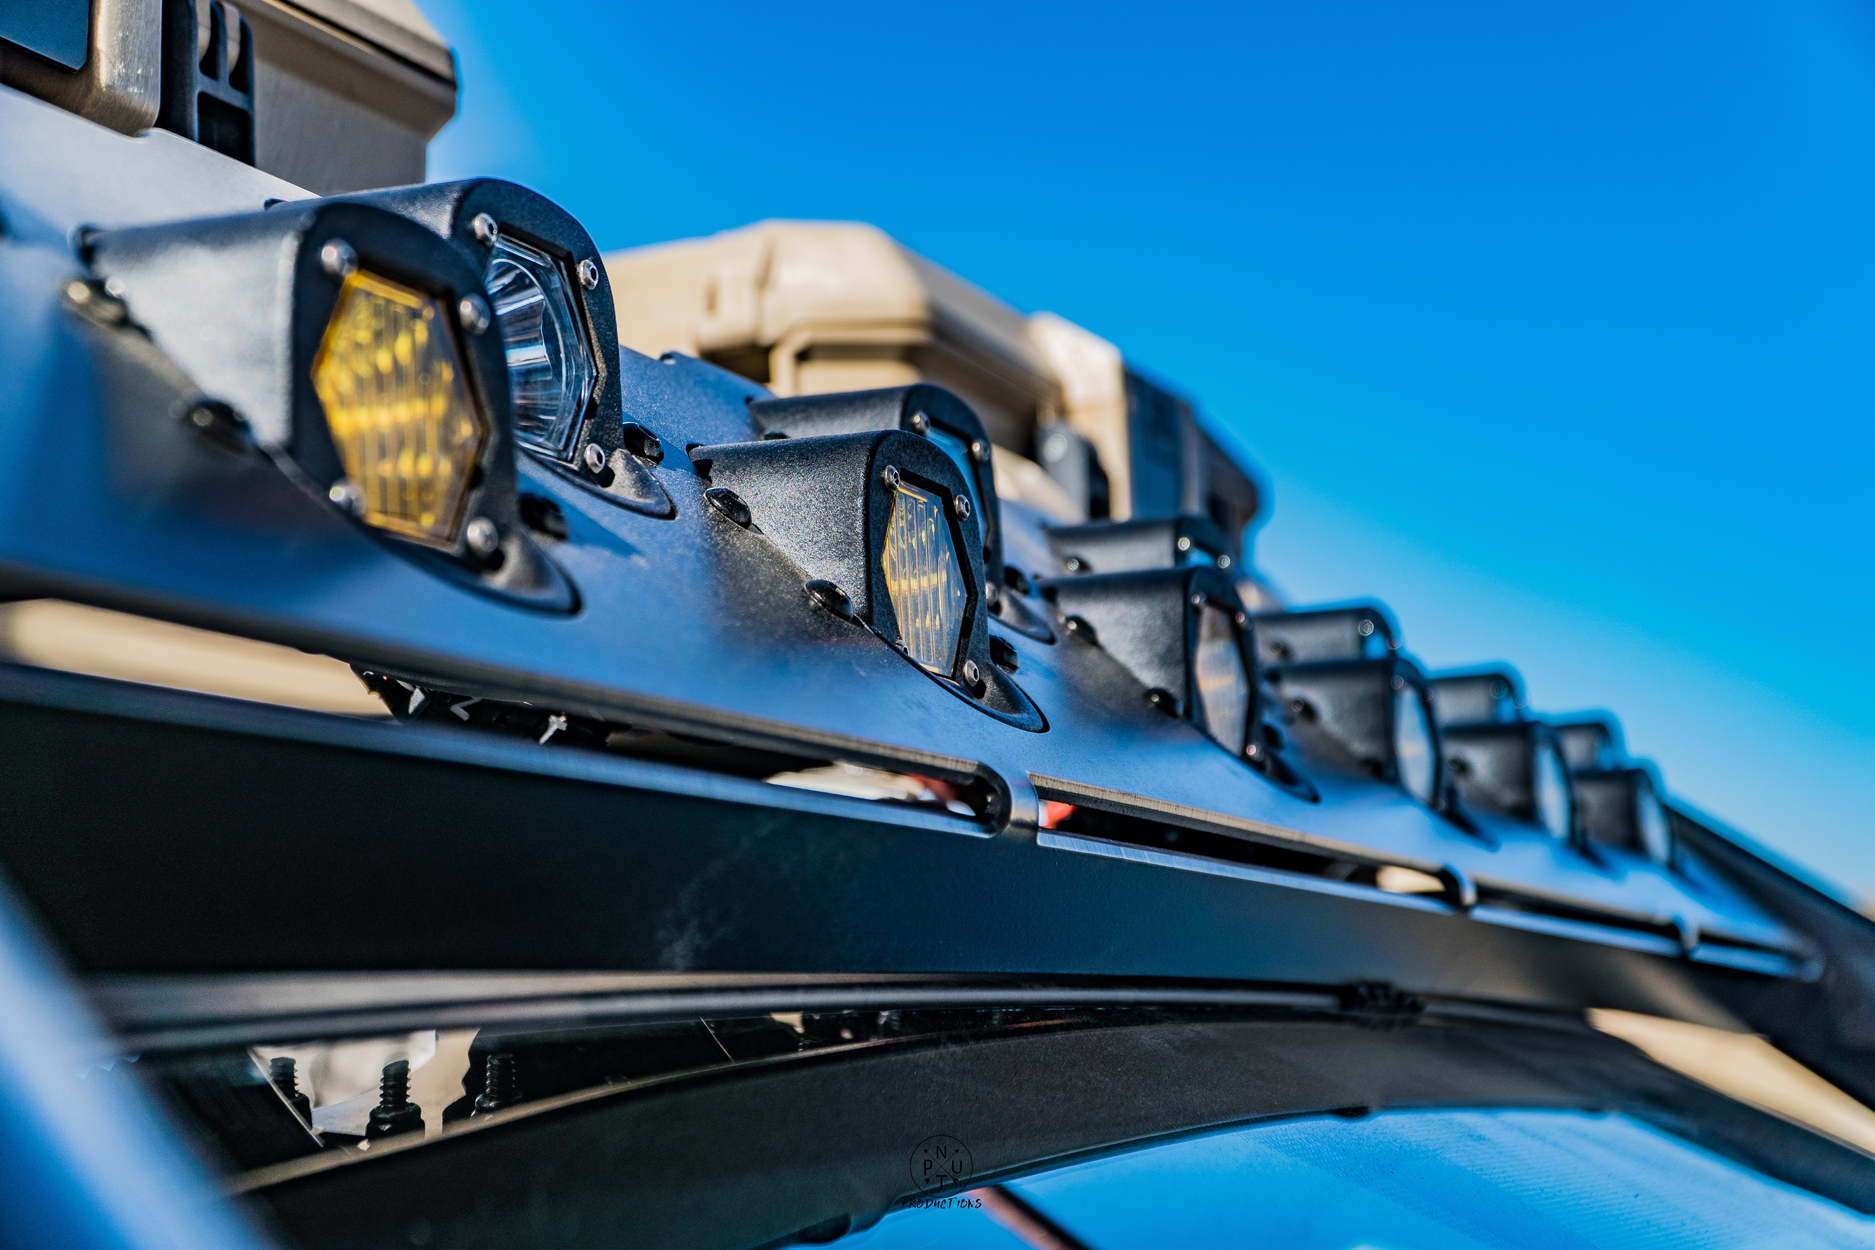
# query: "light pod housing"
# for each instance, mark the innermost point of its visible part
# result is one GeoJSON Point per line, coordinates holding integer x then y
{"type": "Point", "coordinates": [1151, 543]}
{"type": "Point", "coordinates": [352, 348]}
{"type": "Point", "coordinates": [1513, 769]}
{"type": "Point", "coordinates": [552, 303]}
{"type": "Point", "coordinates": [1620, 807]}
{"type": "Point", "coordinates": [881, 526]}
{"type": "Point", "coordinates": [1589, 744]}
{"type": "Point", "coordinates": [1361, 632]}
{"type": "Point", "coordinates": [1364, 718]}
{"type": "Point", "coordinates": [1487, 697]}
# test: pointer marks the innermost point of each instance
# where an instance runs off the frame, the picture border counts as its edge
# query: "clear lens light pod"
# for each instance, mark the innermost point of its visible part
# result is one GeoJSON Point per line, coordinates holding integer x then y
{"type": "Point", "coordinates": [1514, 769]}
{"type": "Point", "coordinates": [1620, 807]}
{"type": "Point", "coordinates": [550, 372]}
{"type": "Point", "coordinates": [1415, 750]}
{"type": "Point", "coordinates": [1364, 718]}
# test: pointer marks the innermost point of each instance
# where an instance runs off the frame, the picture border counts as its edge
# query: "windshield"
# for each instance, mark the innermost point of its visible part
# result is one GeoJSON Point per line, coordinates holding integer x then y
{"type": "Point", "coordinates": [1457, 1180]}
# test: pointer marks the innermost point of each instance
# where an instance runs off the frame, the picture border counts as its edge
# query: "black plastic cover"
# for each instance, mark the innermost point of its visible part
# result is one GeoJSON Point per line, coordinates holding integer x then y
{"type": "Point", "coordinates": [1356, 633]}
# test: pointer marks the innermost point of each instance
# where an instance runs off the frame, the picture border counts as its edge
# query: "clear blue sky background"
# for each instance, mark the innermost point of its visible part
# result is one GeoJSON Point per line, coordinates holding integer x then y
{"type": "Point", "coordinates": [1552, 326]}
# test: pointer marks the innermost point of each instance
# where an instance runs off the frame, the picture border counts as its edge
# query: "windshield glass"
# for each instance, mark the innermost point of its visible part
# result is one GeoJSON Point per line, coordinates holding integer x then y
{"type": "Point", "coordinates": [1463, 1180]}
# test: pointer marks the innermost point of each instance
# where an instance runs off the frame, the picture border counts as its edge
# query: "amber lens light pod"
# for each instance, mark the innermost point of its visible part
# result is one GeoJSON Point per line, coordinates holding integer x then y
{"type": "Point", "coordinates": [922, 575]}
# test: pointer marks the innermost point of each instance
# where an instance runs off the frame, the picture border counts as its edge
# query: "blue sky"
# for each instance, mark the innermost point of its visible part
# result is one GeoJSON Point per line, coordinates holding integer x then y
{"type": "Point", "coordinates": [1551, 327]}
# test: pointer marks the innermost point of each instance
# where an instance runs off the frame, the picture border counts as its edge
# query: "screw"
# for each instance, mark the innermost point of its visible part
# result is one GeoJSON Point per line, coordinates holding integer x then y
{"type": "Point", "coordinates": [345, 494]}
{"type": "Point", "coordinates": [500, 1088]}
{"type": "Point", "coordinates": [594, 456]}
{"type": "Point", "coordinates": [219, 423]}
{"type": "Point", "coordinates": [94, 303]}
{"type": "Point", "coordinates": [961, 505]}
{"type": "Point", "coordinates": [589, 275]}
{"type": "Point", "coordinates": [1364, 627]}
{"type": "Point", "coordinates": [1223, 562]}
{"type": "Point", "coordinates": [1198, 600]}
{"type": "Point", "coordinates": [1241, 619]}
{"type": "Point", "coordinates": [282, 1071]}
{"type": "Point", "coordinates": [891, 476]}
{"type": "Point", "coordinates": [1253, 751]}
{"type": "Point", "coordinates": [395, 1113]}
{"type": "Point", "coordinates": [1399, 683]}
{"type": "Point", "coordinates": [1184, 544]}
{"type": "Point", "coordinates": [729, 503]}
{"type": "Point", "coordinates": [920, 424]}
{"type": "Point", "coordinates": [485, 230]}
{"type": "Point", "coordinates": [830, 597]}
{"type": "Point", "coordinates": [337, 258]}
{"type": "Point", "coordinates": [482, 536]}
{"type": "Point", "coordinates": [979, 450]}
{"type": "Point", "coordinates": [472, 311]}
{"type": "Point", "coordinates": [1164, 700]}
{"type": "Point", "coordinates": [972, 675]}
{"type": "Point", "coordinates": [1079, 627]}
{"type": "Point", "coordinates": [1075, 564]}
{"type": "Point", "coordinates": [114, 287]}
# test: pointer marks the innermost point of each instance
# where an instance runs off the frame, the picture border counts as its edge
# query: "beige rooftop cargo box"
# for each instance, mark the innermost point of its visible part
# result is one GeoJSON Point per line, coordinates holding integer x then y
{"type": "Point", "coordinates": [812, 307]}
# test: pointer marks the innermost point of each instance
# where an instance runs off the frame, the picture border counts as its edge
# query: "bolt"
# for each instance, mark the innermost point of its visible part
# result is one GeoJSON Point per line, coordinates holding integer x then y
{"type": "Point", "coordinates": [345, 494]}
{"type": "Point", "coordinates": [1075, 564]}
{"type": "Point", "coordinates": [472, 311]}
{"type": "Point", "coordinates": [114, 287]}
{"type": "Point", "coordinates": [1164, 700]}
{"type": "Point", "coordinates": [1253, 751]}
{"type": "Point", "coordinates": [482, 536]}
{"type": "Point", "coordinates": [594, 456]}
{"type": "Point", "coordinates": [1223, 562]}
{"type": "Point", "coordinates": [1184, 544]}
{"type": "Point", "coordinates": [972, 676]}
{"type": "Point", "coordinates": [979, 450]}
{"type": "Point", "coordinates": [961, 505]}
{"type": "Point", "coordinates": [337, 258]}
{"type": "Point", "coordinates": [1399, 683]}
{"type": "Point", "coordinates": [891, 476]}
{"type": "Point", "coordinates": [395, 1113]}
{"type": "Point", "coordinates": [1198, 600]}
{"type": "Point", "coordinates": [729, 503]}
{"type": "Point", "coordinates": [920, 424]}
{"type": "Point", "coordinates": [1241, 619]}
{"type": "Point", "coordinates": [1364, 627]}
{"type": "Point", "coordinates": [282, 1071]}
{"type": "Point", "coordinates": [555, 724]}
{"type": "Point", "coordinates": [485, 230]}
{"type": "Point", "coordinates": [830, 597]}
{"type": "Point", "coordinates": [589, 275]}
{"type": "Point", "coordinates": [500, 1088]}
{"type": "Point", "coordinates": [1079, 627]}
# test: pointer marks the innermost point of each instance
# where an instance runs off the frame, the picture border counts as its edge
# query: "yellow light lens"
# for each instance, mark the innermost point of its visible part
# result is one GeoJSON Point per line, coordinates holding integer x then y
{"type": "Point", "coordinates": [391, 384]}
{"type": "Point", "coordinates": [924, 578]}
{"type": "Point", "coordinates": [1223, 686]}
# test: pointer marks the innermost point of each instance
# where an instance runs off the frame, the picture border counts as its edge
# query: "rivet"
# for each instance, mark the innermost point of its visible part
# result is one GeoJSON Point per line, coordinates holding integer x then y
{"type": "Point", "coordinates": [729, 503]}
{"type": "Point", "coordinates": [485, 230]}
{"type": "Point", "coordinates": [831, 597]}
{"type": "Point", "coordinates": [961, 505]}
{"type": "Point", "coordinates": [920, 424]}
{"type": "Point", "coordinates": [589, 275]}
{"type": "Point", "coordinates": [345, 494]}
{"type": "Point", "coordinates": [594, 458]}
{"type": "Point", "coordinates": [891, 476]}
{"type": "Point", "coordinates": [482, 536]}
{"type": "Point", "coordinates": [473, 311]}
{"type": "Point", "coordinates": [337, 258]}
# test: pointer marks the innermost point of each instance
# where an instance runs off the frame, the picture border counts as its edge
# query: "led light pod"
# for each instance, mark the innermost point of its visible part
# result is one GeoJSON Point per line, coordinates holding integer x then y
{"type": "Point", "coordinates": [1183, 633]}
{"type": "Point", "coordinates": [1589, 744]}
{"type": "Point", "coordinates": [1363, 718]}
{"type": "Point", "coordinates": [355, 350]}
{"type": "Point", "coordinates": [1620, 807]}
{"type": "Point", "coordinates": [1486, 697]}
{"type": "Point", "coordinates": [1128, 546]}
{"type": "Point", "coordinates": [1515, 770]}
{"type": "Point", "coordinates": [1357, 633]}
{"type": "Point", "coordinates": [880, 525]}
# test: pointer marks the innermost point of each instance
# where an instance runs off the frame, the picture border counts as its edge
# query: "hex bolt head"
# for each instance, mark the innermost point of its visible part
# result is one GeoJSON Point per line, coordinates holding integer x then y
{"type": "Point", "coordinates": [961, 506]}
{"type": "Point", "coordinates": [830, 597]}
{"type": "Point", "coordinates": [979, 450]}
{"type": "Point", "coordinates": [483, 227]}
{"type": "Point", "coordinates": [482, 536]}
{"type": "Point", "coordinates": [920, 424]}
{"type": "Point", "coordinates": [345, 494]}
{"type": "Point", "coordinates": [593, 458]}
{"type": "Point", "coordinates": [730, 504]}
{"type": "Point", "coordinates": [338, 258]}
{"type": "Point", "coordinates": [891, 476]}
{"type": "Point", "coordinates": [472, 309]}
{"type": "Point", "coordinates": [589, 275]}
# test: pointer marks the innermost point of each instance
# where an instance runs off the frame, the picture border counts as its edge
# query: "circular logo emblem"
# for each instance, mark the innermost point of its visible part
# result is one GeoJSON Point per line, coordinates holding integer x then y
{"type": "Point", "coordinates": [940, 1165]}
